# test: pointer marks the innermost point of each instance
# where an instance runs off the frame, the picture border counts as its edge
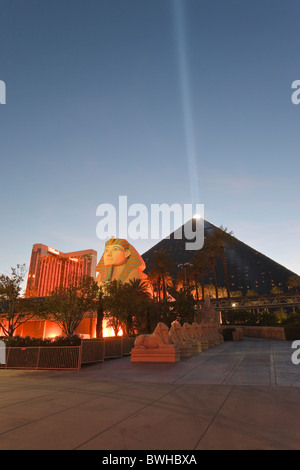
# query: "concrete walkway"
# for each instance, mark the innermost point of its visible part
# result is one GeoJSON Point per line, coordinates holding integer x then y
{"type": "Point", "coordinates": [237, 395]}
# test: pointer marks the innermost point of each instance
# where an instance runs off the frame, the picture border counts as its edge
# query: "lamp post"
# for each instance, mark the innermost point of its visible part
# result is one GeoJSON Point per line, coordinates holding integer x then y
{"type": "Point", "coordinates": [185, 266]}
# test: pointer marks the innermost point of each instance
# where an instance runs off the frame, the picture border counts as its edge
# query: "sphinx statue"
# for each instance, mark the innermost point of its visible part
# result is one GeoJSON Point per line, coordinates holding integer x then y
{"type": "Point", "coordinates": [159, 338]}
{"type": "Point", "coordinates": [189, 335]}
{"type": "Point", "coordinates": [207, 311]}
{"type": "Point", "coordinates": [210, 322]}
{"type": "Point", "coordinates": [199, 334]}
{"type": "Point", "coordinates": [155, 347]}
{"type": "Point", "coordinates": [176, 337]}
{"type": "Point", "coordinates": [120, 261]}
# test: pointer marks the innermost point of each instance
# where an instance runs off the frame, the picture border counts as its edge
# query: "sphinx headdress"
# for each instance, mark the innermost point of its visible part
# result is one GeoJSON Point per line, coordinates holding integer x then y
{"type": "Point", "coordinates": [134, 261]}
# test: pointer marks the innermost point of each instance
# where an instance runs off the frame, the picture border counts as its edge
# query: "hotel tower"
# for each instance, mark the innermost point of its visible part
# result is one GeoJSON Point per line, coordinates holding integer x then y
{"type": "Point", "coordinates": [50, 268]}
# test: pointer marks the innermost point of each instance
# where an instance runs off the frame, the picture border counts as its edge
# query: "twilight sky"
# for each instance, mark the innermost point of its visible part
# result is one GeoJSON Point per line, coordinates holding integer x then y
{"type": "Point", "coordinates": [163, 101]}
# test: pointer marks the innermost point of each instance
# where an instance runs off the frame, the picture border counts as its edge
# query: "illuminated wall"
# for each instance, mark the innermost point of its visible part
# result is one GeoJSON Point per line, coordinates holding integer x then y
{"type": "Point", "coordinates": [39, 329]}
{"type": "Point", "coordinates": [48, 329]}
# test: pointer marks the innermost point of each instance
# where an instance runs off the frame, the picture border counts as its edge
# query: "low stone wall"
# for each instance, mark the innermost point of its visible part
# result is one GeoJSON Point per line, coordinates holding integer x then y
{"type": "Point", "coordinates": [271, 332]}
{"type": "Point", "coordinates": [238, 334]}
{"type": "Point", "coordinates": [232, 333]}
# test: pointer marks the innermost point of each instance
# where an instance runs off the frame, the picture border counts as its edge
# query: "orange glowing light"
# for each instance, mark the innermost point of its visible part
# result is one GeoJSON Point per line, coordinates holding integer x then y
{"type": "Point", "coordinates": [51, 330]}
{"type": "Point", "coordinates": [74, 259]}
{"type": "Point", "coordinates": [108, 331]}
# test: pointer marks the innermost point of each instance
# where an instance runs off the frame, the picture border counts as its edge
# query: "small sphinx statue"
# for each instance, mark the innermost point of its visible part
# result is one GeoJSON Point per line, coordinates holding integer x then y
{"type": "Point", "coordinates": [207, 311]}
{"type": "Point", "coordinates": [189, 335]}
{"type": "Point", "coordinates": [155, 347]}
{"type": "Point", "coordinates": [158, 339]}
{"type": "Point", "coordinates": [176, 337]}
{"type": "Point", "coordinates": [210, 322]}
{"type": "Point", "coordinates": [200, 335]}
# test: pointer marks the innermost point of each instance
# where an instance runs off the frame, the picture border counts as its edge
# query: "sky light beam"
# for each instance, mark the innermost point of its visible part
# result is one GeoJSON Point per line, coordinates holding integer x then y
{"type": "Point", "coordinates": [179, 19]}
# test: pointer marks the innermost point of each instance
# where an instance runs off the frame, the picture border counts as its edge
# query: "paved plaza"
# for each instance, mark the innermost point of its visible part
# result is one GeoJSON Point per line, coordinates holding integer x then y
{"type": "Point", "coordinates": [237, 395]}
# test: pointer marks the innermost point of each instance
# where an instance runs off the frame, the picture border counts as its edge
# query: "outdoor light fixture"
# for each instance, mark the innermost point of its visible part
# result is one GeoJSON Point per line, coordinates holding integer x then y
{"type": "Point", "coordinates": [185, 266]}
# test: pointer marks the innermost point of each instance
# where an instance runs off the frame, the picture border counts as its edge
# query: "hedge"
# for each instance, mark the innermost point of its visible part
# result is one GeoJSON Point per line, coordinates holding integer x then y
{"type": "Point", "coordinates": [27, 341]}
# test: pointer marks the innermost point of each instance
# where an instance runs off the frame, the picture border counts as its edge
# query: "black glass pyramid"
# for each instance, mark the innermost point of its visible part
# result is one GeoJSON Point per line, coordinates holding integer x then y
{"type": "Point", "coordinates": [247, 268]}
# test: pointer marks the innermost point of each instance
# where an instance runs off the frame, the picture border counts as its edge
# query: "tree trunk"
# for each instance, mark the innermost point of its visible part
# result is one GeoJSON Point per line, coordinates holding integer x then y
{"type": "Point", "coordinates": [129, 324]}
{"type": "Point", "coordinates": [202, 283]}
{"type": "Point", "coordinates": [100, 316]}
{"type": "Point", "coordinates": [164, 287]}
{"type": "Point", "coordinates": [99, 325]}
{"type": "Point", "coordinates": [214, 276]}
{"type": "Point", "coordinates": [158, 287]}
{"type": "Point", "coordinates": [225, 272]}
{"type": "Point", "coordinates": [196, 287]}
{"type": "Point", "coordinates": [11, 329]}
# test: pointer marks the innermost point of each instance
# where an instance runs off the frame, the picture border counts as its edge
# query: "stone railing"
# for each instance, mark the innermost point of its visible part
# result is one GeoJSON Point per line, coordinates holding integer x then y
{"type": "Point", "coordinates": [269, 332]}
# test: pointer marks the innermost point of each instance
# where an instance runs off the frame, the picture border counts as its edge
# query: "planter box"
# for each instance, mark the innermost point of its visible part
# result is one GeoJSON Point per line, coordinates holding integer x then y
{"type": "Point", "coordinates": [67, 357]}
{"type": "Point", "coordinates": [92, 351]}
{"type": "Point", "coordinates": [43, 357]}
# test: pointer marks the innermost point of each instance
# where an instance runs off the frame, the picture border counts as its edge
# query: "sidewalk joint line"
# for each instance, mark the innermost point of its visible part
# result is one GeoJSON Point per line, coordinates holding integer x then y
{"type": "Point", "coordinates": [128, 416]}
{"type": "Point", "coordinates": [214, 417]}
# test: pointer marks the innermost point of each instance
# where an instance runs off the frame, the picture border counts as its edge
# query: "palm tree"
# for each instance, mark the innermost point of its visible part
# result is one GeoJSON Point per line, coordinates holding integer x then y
{"type": "Point", "coordinates": [162, 265]}
{"type": "Point", "coordinates": [185, 275]}
{"type": "Point", "coordinates": [220, 238]}
{"type": "Point", "coordinates": [137, 295]}
{"type": "Point", "coordinates": [201, 263]}
{"type": "Point", "coordinates": [139, 288]}
{"type": "Point", "coordinates": [210, 289]}
{"type": "Point", "coordinates": [294, 282]}
{"type": "Point", "coordinates": [211, 249]}
{"type": "Point", "coordinates": [154, 282]}
{"type": "Point", "coordinates": [194, 276]}
{"type": "Point", "coordinates": [183, 307]}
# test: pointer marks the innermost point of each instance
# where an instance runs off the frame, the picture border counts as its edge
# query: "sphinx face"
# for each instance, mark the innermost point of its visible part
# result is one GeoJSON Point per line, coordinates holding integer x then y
{"type": "Point", "coordinates": [115, 255]}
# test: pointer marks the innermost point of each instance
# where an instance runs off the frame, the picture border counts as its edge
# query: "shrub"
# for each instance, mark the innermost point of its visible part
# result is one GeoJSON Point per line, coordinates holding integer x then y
{"type": "Point", "coordinates": [27, 341]}
{"type": "Point", "coordinates": [73, 340]}
{"type": "Point", "coordinates": [293, 319]}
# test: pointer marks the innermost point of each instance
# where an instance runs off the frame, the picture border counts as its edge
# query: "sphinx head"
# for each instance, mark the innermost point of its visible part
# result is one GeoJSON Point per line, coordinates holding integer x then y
{"type": "Point", "coordinates": [118, 252]}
